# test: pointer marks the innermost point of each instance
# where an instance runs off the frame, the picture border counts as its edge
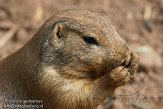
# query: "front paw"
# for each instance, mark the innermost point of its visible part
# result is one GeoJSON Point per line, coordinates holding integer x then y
{"type": "Point", "coordinates": [122, 74]}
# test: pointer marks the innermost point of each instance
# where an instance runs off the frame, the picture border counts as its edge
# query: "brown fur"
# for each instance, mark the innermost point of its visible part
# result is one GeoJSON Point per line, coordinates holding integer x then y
{"type": "Point", "coordinates": [60, 68]}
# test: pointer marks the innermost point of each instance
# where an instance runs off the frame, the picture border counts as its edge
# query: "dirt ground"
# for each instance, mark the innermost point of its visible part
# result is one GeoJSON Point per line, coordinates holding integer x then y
{"type": "Point", "coordinates": [139, 22]}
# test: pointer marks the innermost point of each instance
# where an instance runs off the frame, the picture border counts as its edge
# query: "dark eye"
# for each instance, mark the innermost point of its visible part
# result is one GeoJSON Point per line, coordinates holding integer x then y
{"type": "Point", "coordinates": [90, 40]}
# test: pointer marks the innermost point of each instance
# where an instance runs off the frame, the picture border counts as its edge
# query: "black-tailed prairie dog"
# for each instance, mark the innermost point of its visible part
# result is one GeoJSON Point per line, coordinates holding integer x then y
{"type": "Point", "coordinates": [74, 61]}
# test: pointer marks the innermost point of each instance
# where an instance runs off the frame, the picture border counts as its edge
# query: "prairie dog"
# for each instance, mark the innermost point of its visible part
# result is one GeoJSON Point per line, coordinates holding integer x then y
{"type": "Point", "coordinates": [74, 61]}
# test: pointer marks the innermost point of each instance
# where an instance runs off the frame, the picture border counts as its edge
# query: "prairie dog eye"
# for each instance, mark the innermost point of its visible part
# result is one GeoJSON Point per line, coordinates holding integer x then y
{"type": "Point", "coordinates": [90, 40]}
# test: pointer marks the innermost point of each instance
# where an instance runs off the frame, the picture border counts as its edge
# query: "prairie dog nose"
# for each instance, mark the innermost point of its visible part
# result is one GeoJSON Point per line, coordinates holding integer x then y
{"type": "Point", "coordinates": [122, 50]}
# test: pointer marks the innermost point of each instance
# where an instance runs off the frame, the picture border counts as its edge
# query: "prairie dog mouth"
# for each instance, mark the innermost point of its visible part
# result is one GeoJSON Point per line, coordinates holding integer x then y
{"type": "Point", "coordinates": [130, 63]}
{"type": "Point", "coordinates": [123, 72]}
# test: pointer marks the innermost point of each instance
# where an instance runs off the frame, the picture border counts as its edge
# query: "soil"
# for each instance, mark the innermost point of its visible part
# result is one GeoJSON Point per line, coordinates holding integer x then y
{"type": "Point", "coordinates": [139, 22]}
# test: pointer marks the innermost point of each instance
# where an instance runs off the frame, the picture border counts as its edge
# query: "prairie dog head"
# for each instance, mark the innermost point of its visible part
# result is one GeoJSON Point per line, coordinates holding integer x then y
{"type": "Point", "coordinates": [83, 59]}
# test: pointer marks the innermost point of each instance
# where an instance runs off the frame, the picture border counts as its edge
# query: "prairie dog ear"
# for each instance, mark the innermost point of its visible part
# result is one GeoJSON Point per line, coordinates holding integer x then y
{"type": "Point", "coordinates": [59, 36]}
